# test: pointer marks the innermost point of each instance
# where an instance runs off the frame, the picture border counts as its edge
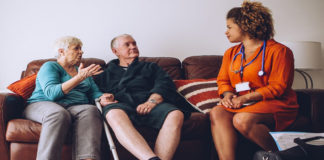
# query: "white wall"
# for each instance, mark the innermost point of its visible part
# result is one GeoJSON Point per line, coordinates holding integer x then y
{"type": "Point", "coordinates": [177, 28]}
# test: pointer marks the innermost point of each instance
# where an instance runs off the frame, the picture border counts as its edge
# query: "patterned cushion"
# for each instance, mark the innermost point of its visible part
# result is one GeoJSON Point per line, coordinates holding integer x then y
{"type": "Point", "coordinates": [24, 87]}
{"type": "Point", "coordinates": [201, 93]}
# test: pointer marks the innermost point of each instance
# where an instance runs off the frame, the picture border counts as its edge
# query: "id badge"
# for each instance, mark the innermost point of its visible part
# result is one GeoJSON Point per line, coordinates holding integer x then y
{"type": "Point", "coordinates": [244, 86]}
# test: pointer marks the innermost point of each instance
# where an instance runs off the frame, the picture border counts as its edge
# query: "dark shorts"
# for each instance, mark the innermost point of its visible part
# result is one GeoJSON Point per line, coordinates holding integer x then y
{"type": "Point", "coordinates": [154, 119]}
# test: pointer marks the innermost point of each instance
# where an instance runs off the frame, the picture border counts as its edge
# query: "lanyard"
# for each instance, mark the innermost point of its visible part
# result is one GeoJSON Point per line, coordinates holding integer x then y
{"type": "Point", "coordinates": [241, 52]}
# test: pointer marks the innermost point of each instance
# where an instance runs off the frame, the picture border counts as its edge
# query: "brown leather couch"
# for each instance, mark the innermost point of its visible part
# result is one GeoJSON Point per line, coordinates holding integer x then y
{"type": "Point", "coordinates": [19, 137]}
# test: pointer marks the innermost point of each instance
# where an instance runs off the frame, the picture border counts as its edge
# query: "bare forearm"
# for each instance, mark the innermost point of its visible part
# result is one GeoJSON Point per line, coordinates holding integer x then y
{"type": "Point", "coordinates": [83, 73]}
{"type": "Point", "coordinates": [70, 84]}
{"type": "Point", "coordinates": [157, 97]}
{"type": "Point", "coordinates": [253, 96]}
{"type": "Point", "coordinates": [227, 93]}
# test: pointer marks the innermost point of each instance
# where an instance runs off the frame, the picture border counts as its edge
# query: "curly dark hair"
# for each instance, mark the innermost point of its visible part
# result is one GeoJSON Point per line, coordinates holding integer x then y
{"type": "Point", "coordinates": [254, 19]}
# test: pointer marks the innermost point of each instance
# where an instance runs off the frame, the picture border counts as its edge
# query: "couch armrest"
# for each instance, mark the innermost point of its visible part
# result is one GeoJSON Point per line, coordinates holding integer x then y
{"type": "Point", "coordinates": [313, 98]}
{"type": "Point", "coordinates": [11, 106]}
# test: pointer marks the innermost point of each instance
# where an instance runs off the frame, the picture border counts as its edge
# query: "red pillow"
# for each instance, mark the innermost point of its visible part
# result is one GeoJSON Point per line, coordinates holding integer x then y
{"type": "Point", "coordinates": [201, 93]}
{"type": "Point", "coordinates": [24, 87]}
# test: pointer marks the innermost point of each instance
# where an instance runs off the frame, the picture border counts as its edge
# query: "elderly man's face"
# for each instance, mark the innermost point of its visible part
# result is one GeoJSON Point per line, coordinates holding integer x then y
{"type": "Point", "coordinates": [126, 49]}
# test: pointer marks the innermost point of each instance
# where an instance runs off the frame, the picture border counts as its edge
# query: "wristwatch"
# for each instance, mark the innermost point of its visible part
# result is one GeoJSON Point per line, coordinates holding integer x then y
{"type": "Point", "coordinates": [152, 101]}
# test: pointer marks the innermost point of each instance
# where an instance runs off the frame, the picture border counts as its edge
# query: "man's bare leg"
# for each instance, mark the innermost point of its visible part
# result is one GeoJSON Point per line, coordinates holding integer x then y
{"type": "Point", "coordinates": [169, 135]}
{"type": "Point", "coordinates": [127, 135]}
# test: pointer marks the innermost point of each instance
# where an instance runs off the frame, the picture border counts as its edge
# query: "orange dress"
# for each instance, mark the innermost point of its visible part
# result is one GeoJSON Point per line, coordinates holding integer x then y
{"type": "Point", "coordinates": [275, 85]}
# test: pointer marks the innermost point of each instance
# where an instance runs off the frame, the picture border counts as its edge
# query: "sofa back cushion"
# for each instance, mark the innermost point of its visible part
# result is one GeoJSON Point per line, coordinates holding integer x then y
{"type": "Point", "coordinates": [34, 66]}
{"type": "Point", "coordinates": [202, 67]}
{"type": "Point", "coordinates": [169, 64]}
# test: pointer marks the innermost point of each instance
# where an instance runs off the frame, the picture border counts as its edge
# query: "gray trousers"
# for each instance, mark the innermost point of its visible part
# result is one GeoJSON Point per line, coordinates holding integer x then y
{"type": "Point", "coordinates": [85, 121]}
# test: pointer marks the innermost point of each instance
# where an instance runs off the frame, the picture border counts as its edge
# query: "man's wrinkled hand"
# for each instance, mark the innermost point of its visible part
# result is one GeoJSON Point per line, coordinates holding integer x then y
{"type": "Point", "coordinates": [106, 99]}
{"type": "Point", "coordinates": [145, 108]}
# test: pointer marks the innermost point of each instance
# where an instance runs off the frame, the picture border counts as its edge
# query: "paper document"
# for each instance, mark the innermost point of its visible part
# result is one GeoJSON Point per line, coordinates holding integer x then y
{"type": "Point", "coordinates": [248, 103]}
{"type": "Point", "coordinates": [285, 140]}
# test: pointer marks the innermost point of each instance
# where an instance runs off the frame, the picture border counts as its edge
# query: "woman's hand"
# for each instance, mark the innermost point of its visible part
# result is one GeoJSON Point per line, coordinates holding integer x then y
{"type": "Point", "coordinates": [93, 69]}
{"type": "Point", "coordinates": [82, 74]}
{"type": "Point", "coordinates": [239, 101]}
{"type": "Point", "coordinates": [227, 100]}
{"type": "Point", "coordinates": [107, 98]}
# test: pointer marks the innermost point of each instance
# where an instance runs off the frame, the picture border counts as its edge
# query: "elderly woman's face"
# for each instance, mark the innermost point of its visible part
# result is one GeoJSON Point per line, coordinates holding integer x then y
{"type": "Point", "coordinates": [73, 54]}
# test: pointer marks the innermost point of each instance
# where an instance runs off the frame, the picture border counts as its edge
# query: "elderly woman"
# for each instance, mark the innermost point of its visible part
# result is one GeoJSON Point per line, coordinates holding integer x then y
{"type": "Point", "coordinates": [61, 100]}
{"type": "Point", "coordinates": [255, 81]}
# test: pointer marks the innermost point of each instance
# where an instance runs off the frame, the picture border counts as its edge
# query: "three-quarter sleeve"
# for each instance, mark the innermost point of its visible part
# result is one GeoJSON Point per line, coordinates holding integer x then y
{"type": "Point", "coordinates": [49, 80]}
{"type": "Point", "coordinates": [94, 91]}
{"type": "Point", "coordinates": [281, 75]}
{"type": "Point", "coordinates": [223, 79]}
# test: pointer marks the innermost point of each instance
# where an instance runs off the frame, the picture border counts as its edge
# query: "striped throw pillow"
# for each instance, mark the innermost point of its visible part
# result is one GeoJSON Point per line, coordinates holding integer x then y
{"type": "Point", "coordinates": [202, 94]}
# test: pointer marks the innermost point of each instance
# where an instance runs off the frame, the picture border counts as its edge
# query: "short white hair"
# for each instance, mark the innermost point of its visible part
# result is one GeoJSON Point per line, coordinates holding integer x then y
{"type": "Point", "coordinates": [114, 42]}
{"type": "Point", "coordinates": [65, 42]}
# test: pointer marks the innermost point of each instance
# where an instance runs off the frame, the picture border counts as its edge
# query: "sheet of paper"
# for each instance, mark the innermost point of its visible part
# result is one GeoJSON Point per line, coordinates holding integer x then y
{"type": "Point", "coordinates": [285, 140]}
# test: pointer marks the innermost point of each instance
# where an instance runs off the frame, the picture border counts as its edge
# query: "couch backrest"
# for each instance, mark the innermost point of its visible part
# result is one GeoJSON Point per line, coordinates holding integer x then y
{"type": "Point", "coordinates": [205, 66]}
{"type": "Point", "coordinates": [35, 65]}
{"type": "Point", "coordinates": [169, 64]}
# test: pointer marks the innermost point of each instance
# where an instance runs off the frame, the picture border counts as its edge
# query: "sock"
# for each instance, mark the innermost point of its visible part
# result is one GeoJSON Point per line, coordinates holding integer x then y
{"type": "Point", "coordinates": [155, 158]}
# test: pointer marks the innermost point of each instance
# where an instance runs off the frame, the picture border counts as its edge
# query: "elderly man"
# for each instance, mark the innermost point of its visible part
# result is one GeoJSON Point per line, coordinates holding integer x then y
{"type": "Point", "coordinates": [144, 95]}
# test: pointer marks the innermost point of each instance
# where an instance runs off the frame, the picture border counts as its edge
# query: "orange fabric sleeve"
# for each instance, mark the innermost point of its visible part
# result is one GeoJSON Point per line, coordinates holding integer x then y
{"type": "Point", "coordinates": [223, 79]}
{"type": "Point", "coordinates": [281, 75]}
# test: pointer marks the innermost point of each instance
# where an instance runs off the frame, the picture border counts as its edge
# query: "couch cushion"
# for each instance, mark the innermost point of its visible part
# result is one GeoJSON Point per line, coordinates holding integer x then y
{"type": "Point", "coordinates": [206, 66]}
{"type": "Point", "coordinates": [196, 127]}
{"type": "Point", "coordinates": [169, 64]}
{"type": "Point", "coordinates": [202, 94]}
{"type": "Point", "coordinates": [23, 151]}
{"type": "Point", "coordinates": [23, 130]}
{"type": "Point", "coordinates": [34, 65]}
{"type": "Point", "coordinates": [24, 87]}
{"type": "Point", "coordinates": [27, 131]}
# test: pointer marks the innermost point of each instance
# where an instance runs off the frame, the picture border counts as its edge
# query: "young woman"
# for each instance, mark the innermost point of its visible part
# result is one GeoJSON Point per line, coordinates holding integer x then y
{"type": "Point", "coordinates": [255, 82]}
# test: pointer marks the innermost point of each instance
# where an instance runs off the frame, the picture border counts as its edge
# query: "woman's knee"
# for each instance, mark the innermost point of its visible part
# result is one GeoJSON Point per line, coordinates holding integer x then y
{"type": "Point", "coordinates": [243, 122]}
{"type": "Point", "coordinates": [93, 111]}
{"type": "Point", "coordinates": [60, 115]}
{"type": "Point", "coordinates": [218, 114]}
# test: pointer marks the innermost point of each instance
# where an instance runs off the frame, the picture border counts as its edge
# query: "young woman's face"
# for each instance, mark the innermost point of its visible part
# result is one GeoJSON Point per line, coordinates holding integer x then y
{"type": "Point", "coordinates": [233, 32]}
